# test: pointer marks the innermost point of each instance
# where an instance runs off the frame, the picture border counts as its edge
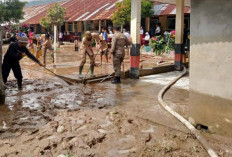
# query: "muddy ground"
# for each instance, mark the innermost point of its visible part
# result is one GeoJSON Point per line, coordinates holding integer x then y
{"type": "Point", "coordinates": [49, 118]}
{"type": "Point", "coordinates": [52, 119]}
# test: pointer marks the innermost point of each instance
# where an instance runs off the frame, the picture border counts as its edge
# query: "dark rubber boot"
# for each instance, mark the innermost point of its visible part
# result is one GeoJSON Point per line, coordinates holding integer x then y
{"type": "Point", "coordinates": [92, 71]}
{"type": "Point", "coordinates": [80, 71]}
{"type": "Point", "coordinates": [19, 85]}
{"type": "Point", "coordinates": [116, 80]}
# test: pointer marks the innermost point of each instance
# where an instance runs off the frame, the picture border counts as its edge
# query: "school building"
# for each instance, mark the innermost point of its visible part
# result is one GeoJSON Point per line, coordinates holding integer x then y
{"type": "Point", "coordinates": [94, 14]}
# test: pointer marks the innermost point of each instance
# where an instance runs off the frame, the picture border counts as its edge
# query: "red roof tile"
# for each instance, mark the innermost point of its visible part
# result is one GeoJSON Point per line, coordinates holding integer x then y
{"type": "Point", "coordinates": [34, 14]}
{"type": "Point", "coordinates": [76, 10]}
{"type": "Point", "coordinates": [81, 10]}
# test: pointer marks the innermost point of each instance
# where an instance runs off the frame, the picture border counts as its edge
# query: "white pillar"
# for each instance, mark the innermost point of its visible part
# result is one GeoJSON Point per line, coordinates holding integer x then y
{"type": "Point", "coordinates": [179, 21]}
{"type": "Point", "coordinates": [55, 42]}
{"type": "Point", "coordinates": [135, 21]}
{"type": "Point", "coordinates": [135, 34]}
{"type": "Point", "coordinates": [179, 34]}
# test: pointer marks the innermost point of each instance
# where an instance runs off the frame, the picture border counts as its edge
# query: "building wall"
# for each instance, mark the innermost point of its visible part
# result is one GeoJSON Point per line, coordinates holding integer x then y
{"type": "Point", "coordinates": [163, 21]}
{"type": "Point", "coordinates": [211, 65]}
{"type": "Point", "coordinates": [79, 26]}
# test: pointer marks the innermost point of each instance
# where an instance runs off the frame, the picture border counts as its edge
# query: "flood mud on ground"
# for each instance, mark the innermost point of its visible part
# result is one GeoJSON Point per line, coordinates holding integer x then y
{"type": "Point", "coordinates": [50, 118]}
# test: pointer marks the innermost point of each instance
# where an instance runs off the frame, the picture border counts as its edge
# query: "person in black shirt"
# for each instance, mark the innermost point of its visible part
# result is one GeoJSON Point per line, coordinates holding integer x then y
{"type": "Point", "coordinates": [14, 54]}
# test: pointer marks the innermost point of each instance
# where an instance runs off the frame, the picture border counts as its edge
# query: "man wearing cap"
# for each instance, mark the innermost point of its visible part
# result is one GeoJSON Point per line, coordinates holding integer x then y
{"type": "Point", "coordinates": [118, 50]}
{"type": "Point", "coordinates": [14, 54]}
{"type": "Point", "coordinates": [86, 49]}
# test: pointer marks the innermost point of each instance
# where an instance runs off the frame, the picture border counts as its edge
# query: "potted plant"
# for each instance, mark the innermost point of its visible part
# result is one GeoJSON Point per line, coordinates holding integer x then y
{"type": "Point", "coordinates": [158, 45]}
{"type": "Point", "coordinates": [170, 43]}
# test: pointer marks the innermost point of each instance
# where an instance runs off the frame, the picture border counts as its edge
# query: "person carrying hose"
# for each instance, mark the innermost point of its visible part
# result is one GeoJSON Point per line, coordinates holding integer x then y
{"type": "Point", "coordinates": [14, 54]}
{"type": "Point", "coordinates": [118, 50]}
{"type": "Point", "coordinates": [87, 50]}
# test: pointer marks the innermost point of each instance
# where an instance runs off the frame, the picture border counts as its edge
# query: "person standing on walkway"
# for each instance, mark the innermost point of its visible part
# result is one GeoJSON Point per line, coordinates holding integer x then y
{"type": "Point", "coordinates": [47, 45]}
{"type": "Point", "coordinates": [158, 29]}
{"type": "Point", "coordinates": [60, 36]}
{"type": "Point", "coordinates": [105, 34]}
{"type": "Point", "coordinates": [30, 35]}
{"type": "Point", "coordinates": [87, 50]}
{"type": "Point", "coordinates": [14, 54]}
{"type": "Point", "coordinates": [127, 50]}
{"type": "Point", "coordinates": [21, 34]}
{"type": "Point", "coordinates": [103, 47]}
{"type": "Point", "coordinates": [126, 33]}
{"type": "Point", "coordinates": [141, 35]}
{"type": "Point", "coordinates": [118, 51]}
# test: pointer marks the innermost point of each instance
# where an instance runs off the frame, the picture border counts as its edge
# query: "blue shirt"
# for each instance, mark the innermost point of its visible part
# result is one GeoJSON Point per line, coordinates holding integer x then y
{"type": "Point", "coordinates": [105, 36]}
{"type": "Point", "coordinates": [21, 34]}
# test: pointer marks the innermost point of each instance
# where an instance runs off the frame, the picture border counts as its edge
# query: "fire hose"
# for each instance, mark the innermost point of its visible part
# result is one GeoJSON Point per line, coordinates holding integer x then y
{"type": "Point", "coordinates": [192, 129]}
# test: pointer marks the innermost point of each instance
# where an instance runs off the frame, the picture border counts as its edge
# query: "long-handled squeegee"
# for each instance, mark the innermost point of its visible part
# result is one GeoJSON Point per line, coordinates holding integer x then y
{"type": "Point", "coordinates": [60, 77]}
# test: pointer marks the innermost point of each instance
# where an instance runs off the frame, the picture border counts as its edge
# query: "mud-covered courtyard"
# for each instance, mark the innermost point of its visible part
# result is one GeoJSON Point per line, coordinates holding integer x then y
{"type": "Point", "coordinates": [51, 118]}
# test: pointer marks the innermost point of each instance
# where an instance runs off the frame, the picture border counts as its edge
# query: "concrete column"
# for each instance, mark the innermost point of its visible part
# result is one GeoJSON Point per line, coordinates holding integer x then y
{"type": "Point", "coordinates": [35, 26]}
{"type": "Point", "coordinates": [73, 28]}
{"type": "Point", "coordinates": [79, 26]}
{"type": "Point", "coordinates": [135, 34]}
{"type": "Point", "coordinates": [43, 29]}
{"type": "Point", "coordinates": [99, 26]}
{"type": "Point", "coordinates": [148, 23]}
{"type": "Point", "coordinates": [163, 20]}
{"type": "Point", "coordinates": [66, 27]}
{"type": "Point", "coordinates": [105, 23]}
{"type": "Point", "coordinates": [85, 25]}
{"type": "Point", "coordinates": [179, 34]}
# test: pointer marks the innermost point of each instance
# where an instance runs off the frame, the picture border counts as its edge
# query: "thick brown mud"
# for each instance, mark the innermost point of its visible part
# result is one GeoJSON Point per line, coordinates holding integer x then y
{"type": "Point", "coordinates": [49, 118]}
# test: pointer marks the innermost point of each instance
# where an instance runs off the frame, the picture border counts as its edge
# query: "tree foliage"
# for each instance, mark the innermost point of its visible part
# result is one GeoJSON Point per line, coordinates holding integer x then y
{"type": "Point", "coordinates": [55, 15]}
{"type": "Point", "coordinates": [122, 15]}
{"type": "Point", "coordinates": [44, 22]}
{"type": "Point", "coordinates": [11, 10]}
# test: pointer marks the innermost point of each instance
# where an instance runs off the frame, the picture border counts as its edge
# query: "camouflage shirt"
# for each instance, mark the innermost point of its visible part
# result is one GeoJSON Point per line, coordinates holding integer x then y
{"type": "Point", "coordinates": [119, 42]}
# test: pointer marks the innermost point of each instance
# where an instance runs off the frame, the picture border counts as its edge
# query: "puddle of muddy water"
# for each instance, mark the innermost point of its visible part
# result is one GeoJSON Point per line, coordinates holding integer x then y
{"type": "Point", "coordinates": [43, 96]}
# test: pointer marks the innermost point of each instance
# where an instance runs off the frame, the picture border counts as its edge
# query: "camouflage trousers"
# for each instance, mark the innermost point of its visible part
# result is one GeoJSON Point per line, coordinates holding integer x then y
{"type": "Point", "coordinates": [85, 53]}
{"type": "Point", "coordinates": [117, 62]}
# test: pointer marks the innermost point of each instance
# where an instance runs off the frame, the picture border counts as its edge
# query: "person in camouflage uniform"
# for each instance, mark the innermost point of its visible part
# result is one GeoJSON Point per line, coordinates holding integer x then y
{"type": "Point", "coordinates": [86, 49]}
{"type": "Point", "coordinates": [103, 48]}
{"type": "Point", "coordinates": [118, 51]}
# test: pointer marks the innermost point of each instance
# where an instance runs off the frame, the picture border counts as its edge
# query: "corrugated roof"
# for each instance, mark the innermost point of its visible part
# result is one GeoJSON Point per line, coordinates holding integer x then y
{"type": "Point", "coordinates": [167, 9]}
{"type": "Point", "coordinates": [76, 10]}
{"type": "Point", "coordinates": [35, 13]}
{"type": "Point", "coordinates": [81, 10]}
